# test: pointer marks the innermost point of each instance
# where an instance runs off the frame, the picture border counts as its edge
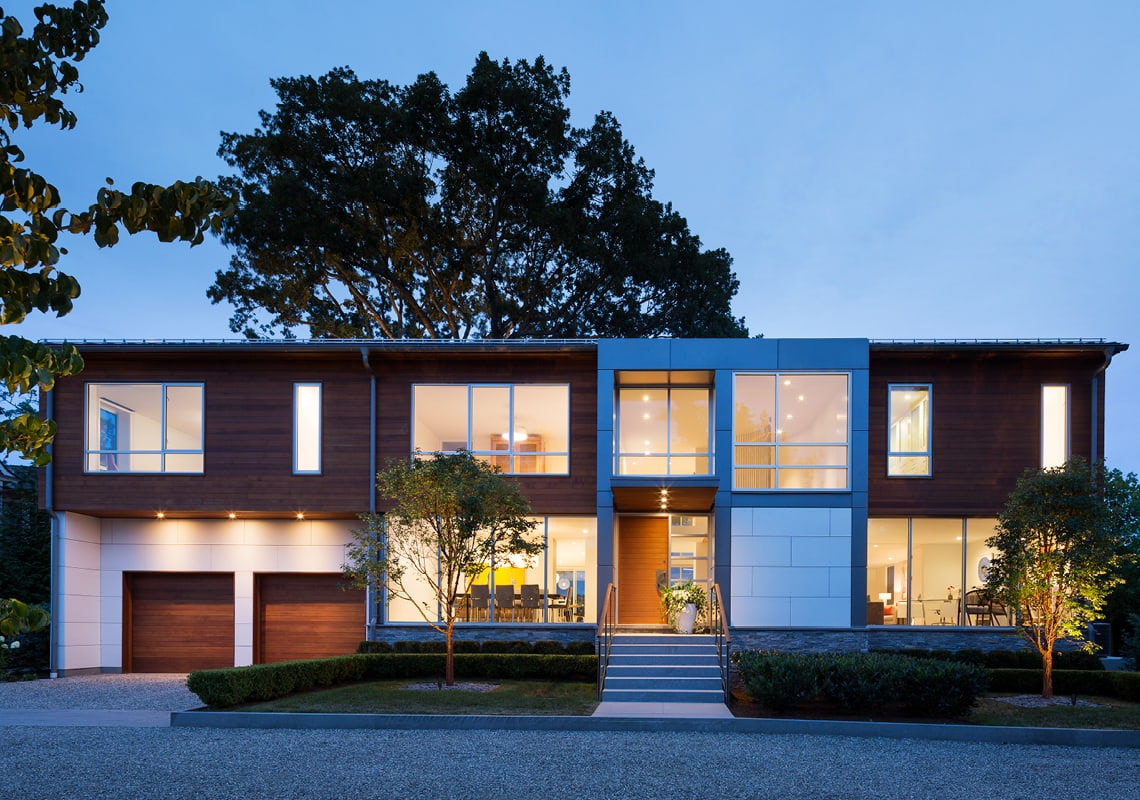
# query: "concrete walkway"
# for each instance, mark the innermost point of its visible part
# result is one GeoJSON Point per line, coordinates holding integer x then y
{"type": "Point", "coordinates": [663, 710]}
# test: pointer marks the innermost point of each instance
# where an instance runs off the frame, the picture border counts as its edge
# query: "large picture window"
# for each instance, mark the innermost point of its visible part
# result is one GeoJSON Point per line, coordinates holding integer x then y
{"type": "Point", "coordinates": [555, 586]}
{"type": "Point", "coordinates": [908, 431]}
{"type": "Point", "coordinates": [144, 427]}
{"type": "Point", "coordinates": [930, 571]}
{"type": "Point", "coordinates": [663, 431]}
{"type": "Point", "coordinates": [520, 428]}
{"type": "Point", "coordinates": [790, 431]}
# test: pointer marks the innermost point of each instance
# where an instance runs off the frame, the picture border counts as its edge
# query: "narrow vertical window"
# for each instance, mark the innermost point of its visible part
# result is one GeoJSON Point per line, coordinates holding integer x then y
{"type": "Point", "coordinates": [908, 431]}
{"type": "Point", "coordinates": [306, 428]}
{"type": "Point", "coordinates": [1054, 425]}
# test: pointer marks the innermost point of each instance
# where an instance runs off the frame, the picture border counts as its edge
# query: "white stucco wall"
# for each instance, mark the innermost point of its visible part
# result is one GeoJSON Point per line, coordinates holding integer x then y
{"type": "Point", "coordinates": [95, 553]}
{"type": "Point", "coordinates": [791, 567]}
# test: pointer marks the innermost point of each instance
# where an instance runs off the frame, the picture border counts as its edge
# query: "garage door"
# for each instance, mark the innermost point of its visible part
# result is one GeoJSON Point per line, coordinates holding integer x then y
{"type": "Point", "coordinates": [306, 616]}
{"type": "Point", "coordinates": [177, 622]}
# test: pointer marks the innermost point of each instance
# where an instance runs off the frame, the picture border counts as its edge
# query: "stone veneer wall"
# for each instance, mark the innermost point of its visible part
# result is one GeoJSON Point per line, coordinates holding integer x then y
{"type": "Point", "coordinates": [887, 638]}
{"type": "Point", "coordinates": [484, 633]}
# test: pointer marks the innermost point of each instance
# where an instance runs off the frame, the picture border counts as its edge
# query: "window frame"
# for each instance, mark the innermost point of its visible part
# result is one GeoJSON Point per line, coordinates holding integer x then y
{"type": "Point", "coordinates": [928, 454]}
{"type": "Point", "coordinates": [709, 455]}
{"type": "Point", "coordinates": [511, 455]}
{"type": "Point", "coordinates": [1068, 422]}
{"type": "Point", "coordinates": [163, 452]}
{"type": "Point", "coordinates": [318, 444]}
{"type": "Point", "coordinates": [775, 467]}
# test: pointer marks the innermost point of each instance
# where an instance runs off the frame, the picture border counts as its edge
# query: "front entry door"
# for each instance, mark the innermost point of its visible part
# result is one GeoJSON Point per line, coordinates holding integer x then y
{"type": "Point", "coordinates": [643, 556]}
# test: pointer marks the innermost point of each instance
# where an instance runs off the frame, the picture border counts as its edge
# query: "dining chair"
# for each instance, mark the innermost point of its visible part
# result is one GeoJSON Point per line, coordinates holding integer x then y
{"type": "Point", "coordinates": [531, 602]}
{"type": "Point", "coordinates": [480, 600]}
{"type": "Point", "coordinates": [504, 602]}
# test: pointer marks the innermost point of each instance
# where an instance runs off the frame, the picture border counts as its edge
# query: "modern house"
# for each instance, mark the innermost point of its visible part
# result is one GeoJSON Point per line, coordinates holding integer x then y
{"type": "Point", "coordinates": [839, 491]}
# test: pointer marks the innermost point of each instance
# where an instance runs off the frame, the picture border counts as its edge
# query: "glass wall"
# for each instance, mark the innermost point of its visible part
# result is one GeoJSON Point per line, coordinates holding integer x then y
{"type": "Point", "coordinates": [522, 429]}
{"type": "Point", "coordinates": [664, 431]}
{"type": "Point", "coordinates": [556, 586]}
{"type": "Point", "coordinates": [930, 571]}
{"type": "Point", "coordinates": [144, 427]}
{"type": "Point", "coordinates": [790, 431]}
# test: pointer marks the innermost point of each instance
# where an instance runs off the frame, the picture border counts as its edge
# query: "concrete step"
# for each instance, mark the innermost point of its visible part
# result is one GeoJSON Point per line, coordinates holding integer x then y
{"type": "Point", "coordinates": [662, 696]}
{"type": "Point", "coordinates": [667, 684]}
{"type": "Point", "coordinates": [650, 659]}
{"type": "Point", "coordinates": [664, 649]}
{"type": "Point", "coordinates": [663, 671]}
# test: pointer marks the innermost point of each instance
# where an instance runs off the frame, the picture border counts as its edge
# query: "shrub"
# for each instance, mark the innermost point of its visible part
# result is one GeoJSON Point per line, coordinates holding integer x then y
{"type": "Point", "coordinates": [1121, 685]}
{"type": "Point", "coordinates": [374, 647]}
{"type": "Point", "coordinates": [780, 680]}
{"type": "Point", "coordinates": [580, 648]}
{"type": "Point", "coordinates": [862, 682]}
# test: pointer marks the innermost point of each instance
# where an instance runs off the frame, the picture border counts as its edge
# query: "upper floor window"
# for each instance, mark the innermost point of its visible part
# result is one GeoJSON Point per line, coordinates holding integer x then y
{"type": "Point", "coordinates": [144, 427]}
{"type": "Point", "coordinates": [908, 431]}
{"type": "Point", "coordinates": [790, 431]}
{"type": "Point", "coordinates": [306, 428]}
{"type": "Point", "coordinates": [1054, 425]}
{"type": "Point", "coordinates": [663, 431]}
{"type": "Point", "coordinates": [521, 428]}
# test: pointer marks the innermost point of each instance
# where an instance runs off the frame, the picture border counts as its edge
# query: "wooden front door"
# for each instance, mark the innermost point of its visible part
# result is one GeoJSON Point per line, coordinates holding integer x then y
{"type": "Point", "coordinates": [643, 554]}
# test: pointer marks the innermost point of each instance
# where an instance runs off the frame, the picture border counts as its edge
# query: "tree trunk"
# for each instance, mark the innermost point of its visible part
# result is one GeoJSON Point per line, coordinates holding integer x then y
{"type": "Point", "coordinates": [449, 663]}
{"type": "Point", "coordinates": [1047, 673]}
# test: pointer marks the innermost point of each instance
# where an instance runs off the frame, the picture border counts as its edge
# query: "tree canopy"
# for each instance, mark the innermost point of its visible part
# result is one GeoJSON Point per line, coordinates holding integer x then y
{"type": "Point", "coordinates": [36, 70]}
{"type": "Point", "coordinates": [374, 210]}
{"type": "Point", "coordinates": [452, 517]}
{"type": "Point", "coordinates": [1059, 542]}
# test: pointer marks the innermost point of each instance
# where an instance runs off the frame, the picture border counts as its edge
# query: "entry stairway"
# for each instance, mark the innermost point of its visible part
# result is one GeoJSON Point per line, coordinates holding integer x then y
{"type": "Point", "coordinates": [662, 668]}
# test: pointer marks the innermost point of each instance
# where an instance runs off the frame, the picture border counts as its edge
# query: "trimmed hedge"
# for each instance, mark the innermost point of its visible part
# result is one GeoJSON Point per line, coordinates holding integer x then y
{"type": "Point", "coordinates": [222, 688]}
{"type": "Point", "coordinates": [861, 683]}
{"type": "Point", "coordinates": [1006, 659]}
{"type": "Point", "coordinates": [1120, 685]}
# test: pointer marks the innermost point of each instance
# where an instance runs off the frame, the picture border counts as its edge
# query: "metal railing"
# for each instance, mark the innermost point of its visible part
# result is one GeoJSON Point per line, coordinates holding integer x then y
{"type": "Point", "coordinates": [607, 624]}
{"type": "Point", "coordinates": [718, 622]}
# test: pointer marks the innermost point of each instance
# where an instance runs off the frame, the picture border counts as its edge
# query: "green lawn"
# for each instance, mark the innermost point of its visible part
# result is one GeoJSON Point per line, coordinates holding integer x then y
{"type": "Point", "coordinates": [512, 698]}
{"type": "Point", "coordinates": [1109, 714]}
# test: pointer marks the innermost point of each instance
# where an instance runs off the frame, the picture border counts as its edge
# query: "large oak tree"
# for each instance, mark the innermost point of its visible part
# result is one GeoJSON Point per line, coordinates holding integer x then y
{"type": "Point", "coordinates": [37, 69]}
{"type": "Point", "coordinates": [373, 210]}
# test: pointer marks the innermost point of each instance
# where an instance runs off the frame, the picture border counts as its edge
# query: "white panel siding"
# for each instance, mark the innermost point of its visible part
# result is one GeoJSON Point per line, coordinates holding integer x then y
{"type": "Point", "coordinates": [791, 567]}
{"type": "Point", "coordinates": [95, 553]}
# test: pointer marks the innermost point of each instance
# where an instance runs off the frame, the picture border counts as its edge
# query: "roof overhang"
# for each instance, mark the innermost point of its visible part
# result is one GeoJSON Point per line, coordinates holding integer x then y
{"type": "Point", "coordinates": [681, 495]}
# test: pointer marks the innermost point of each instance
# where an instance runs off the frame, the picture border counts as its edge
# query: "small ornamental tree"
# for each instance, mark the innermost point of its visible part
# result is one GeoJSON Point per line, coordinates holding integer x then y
{"type": "Point", "coordinates": [1057, 548]}
{"type": "Point", "coordinates": [452, 516]}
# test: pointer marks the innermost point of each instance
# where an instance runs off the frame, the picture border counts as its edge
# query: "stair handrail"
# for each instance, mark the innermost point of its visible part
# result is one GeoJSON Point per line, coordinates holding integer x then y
{"type": "Point", "coordinates": [607, 624]}
{"type": "Point", "coordinates": [718, 621]}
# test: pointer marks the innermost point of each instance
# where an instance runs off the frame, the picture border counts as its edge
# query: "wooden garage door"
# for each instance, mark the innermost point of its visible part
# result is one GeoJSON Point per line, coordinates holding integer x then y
{"type": "Point", "coordinates": [643, 552]}
{"type": "Point", "coordinates": [306, 616]}
{"type": "Point", "coordinates": [177, 622]}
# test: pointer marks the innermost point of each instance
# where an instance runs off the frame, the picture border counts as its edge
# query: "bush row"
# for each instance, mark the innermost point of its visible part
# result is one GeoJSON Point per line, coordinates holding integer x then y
{"type": "Point", "coordinates": [222, 688]}
{"type": "Point", "coordinates": [544, 647]}
{"type": "Point", "coordinates": [1121, 685]}
{"type": "Point", "coordinates": [861, 683]}
{"type": "Point", "coordinates": [1007, 659]}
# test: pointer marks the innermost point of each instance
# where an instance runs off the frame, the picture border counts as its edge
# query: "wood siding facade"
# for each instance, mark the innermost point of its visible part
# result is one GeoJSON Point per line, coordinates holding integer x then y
{"type": "Point", "coordinates": [248, 427]}
{"type": "Point", "coordinates": [986, 412]}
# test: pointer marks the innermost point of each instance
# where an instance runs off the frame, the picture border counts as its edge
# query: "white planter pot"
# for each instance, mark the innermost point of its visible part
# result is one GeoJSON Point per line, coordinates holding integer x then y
{"type": "Point", "coordinates": [687, 618]}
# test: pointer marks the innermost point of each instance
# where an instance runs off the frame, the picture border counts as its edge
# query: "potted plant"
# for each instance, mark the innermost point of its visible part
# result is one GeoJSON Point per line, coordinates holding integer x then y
{"type": "Point", "coordinates": [684, 604]}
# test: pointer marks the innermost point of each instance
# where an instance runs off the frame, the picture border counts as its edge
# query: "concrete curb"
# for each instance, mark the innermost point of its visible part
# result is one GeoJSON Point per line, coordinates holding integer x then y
{"type": "Point", "coordinates": [1067, 737]}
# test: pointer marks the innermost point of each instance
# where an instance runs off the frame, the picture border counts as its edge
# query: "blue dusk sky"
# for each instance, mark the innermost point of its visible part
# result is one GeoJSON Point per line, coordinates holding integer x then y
{"type": "Point", "coordinates": [891, 170]}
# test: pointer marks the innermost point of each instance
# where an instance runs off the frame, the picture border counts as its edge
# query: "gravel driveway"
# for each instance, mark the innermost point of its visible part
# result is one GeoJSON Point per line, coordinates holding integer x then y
{"type": "Point", "coordinates": [203, 763]}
